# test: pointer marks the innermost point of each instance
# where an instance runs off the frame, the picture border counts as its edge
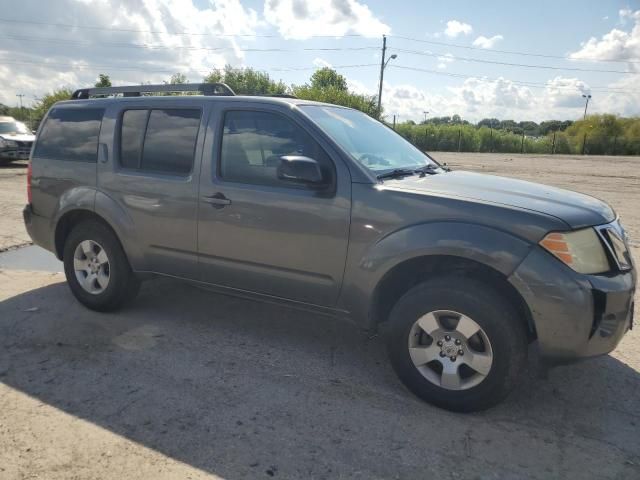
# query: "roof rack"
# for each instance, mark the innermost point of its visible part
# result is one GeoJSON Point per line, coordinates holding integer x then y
{"type": "Point", "coordinates": [208, 89]}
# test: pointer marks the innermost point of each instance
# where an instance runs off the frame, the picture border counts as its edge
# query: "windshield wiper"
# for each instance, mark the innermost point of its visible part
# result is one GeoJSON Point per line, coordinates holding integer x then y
{"type": "Point", "coordinates": [397, 173]}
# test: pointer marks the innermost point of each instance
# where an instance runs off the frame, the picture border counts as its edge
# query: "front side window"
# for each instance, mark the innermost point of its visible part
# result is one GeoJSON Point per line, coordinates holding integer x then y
{"type": "Point", "coordinates": [254, 142]}
{"type": "Point", "coordinates": [70, 134]}
{"type": "Point", "coordinates": [366, 140]}
{"type": "Point", "coordinates": [162, 140]}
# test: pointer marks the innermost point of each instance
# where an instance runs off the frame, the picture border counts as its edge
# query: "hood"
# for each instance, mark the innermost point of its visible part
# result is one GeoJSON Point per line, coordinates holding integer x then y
{"type": "Point", "coordinates": [18, 137]}
{"type": "Point", "coordinates": [575, 209]}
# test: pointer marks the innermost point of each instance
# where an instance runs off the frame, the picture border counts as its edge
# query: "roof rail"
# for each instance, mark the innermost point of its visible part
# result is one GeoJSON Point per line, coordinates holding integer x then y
{"type": "Point", "coordinates": [208, 89]}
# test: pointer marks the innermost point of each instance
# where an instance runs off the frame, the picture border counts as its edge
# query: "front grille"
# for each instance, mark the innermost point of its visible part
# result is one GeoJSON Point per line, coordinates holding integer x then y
{"type": "Point", "coordinates": [616, 241]}
{"type": "Point", "coordinates": [24, 145]}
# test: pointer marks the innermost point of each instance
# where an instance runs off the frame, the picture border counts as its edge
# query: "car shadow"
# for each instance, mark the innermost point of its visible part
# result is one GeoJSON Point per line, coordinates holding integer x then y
{"type": "Point", "coordinates": [5, 165]}
{"type": "Point", "coordinates": [244, 390]}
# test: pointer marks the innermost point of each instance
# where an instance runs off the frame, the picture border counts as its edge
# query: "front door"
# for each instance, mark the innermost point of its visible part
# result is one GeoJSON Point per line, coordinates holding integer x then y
{"type": "Point", "coordinates": [261, 234]}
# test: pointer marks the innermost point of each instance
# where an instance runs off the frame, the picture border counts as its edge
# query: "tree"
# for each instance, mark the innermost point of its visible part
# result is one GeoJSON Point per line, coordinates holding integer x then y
{"type": "Point", "coordinates": [247, 81]}
{"type": "Point", "coordinates": [103, 81]}
{"type": "Point", "coordinates": [177, 79]}
{"type": "Point", "coordinates": [43, 104]}
{"type": "Point", "coordinates": [328, 78]}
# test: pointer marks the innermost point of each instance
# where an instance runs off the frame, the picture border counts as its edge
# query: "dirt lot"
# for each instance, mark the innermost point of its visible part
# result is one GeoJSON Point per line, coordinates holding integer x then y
{"type": "Point", "coordinates": [13, 196]}
{"type": "Point", "coordinates": [187, 384]}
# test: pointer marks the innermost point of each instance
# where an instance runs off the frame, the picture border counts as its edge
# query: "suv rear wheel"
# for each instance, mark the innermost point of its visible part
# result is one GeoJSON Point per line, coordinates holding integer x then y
{"type": "Point", "coordinates": [457, 343]}
{"type": "Point", "coordinates": [97, 268]}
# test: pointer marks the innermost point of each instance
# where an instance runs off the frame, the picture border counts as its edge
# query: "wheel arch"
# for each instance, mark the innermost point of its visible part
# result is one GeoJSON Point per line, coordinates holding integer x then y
{"type": "Point", "coordinates": [69, 220]}
{"type": "Point", "coordinates": [405, 275]}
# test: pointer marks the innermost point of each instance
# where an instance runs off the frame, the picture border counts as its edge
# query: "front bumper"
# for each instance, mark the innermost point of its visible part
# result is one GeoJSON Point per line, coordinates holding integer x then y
{"type": "Point", "coordinates": [15, 153]}
{"type": "Point", "coordinates": [574, 315]}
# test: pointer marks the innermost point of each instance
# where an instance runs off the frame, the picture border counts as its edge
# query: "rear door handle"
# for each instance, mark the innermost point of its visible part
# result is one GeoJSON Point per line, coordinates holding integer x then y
{"type": "Point", "coordinates": [218, 200]}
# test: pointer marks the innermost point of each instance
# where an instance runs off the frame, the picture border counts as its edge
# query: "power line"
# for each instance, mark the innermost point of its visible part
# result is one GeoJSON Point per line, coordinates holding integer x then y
{"type": "Point", "coordinates": [510, 52]}
{"type": "Point", "coordinates": [132, 30]}
{"type": "Point", "coordinates": [190, 48]}
{"type": "Point", "coordinates": [522, 65]}
{"type": "Point", "coordinates": [517, 82]}
{"type": "Point", "coordinates": [84, 66]}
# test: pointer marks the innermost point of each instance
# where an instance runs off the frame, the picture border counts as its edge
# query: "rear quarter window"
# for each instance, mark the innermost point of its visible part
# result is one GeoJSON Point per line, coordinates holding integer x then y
{"type": "Point", "coordinates": [70, 134]}
{"type": "Point", "coordinates": [159, 140]}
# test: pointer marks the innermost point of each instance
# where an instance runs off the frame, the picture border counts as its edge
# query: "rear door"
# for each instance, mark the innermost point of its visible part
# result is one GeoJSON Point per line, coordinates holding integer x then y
{"type": "Point", "coordinates": [152, 174]}
{"type": "Point", "coordinates": [261, 234]}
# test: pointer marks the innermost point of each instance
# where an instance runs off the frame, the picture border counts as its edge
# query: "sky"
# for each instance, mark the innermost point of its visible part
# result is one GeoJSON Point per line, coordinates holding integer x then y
{"type": "Point", "coordinates": [503, 59]}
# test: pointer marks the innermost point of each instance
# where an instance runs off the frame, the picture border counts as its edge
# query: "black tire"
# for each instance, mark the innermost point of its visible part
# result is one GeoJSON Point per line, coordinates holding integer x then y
{"type": "Point", "coordinates": [123, 285]}
{"type": "Point", "coordinates": [491, 311]}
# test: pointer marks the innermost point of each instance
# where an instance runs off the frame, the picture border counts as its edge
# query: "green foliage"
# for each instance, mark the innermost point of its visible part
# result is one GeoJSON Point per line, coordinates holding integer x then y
{"type": "Point", "coordinates": [103, 80]}
{"type": "Point", "coordinates": [247, 81]}
{"type": "Point", "coordinates": [605, 135]}
{"type": "Point", "coordinates": [326, 85]}
{"type": "Point", "coordinates": [328, 78]}
{"type": "Point", "coordinates": [177, 79]}
{"type": "Point", "coordinates": [43, 104]}
{"type": "Point", "coordinates": [337, 96]}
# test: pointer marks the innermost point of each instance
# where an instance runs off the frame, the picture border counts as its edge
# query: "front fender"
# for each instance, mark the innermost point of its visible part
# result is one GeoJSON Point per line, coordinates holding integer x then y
{"type": "Point", "coordinates": [489, 246]}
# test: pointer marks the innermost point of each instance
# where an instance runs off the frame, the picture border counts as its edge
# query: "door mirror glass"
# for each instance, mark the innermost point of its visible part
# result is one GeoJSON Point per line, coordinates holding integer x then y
{"type": "Point", "coordinates": [300, 169]}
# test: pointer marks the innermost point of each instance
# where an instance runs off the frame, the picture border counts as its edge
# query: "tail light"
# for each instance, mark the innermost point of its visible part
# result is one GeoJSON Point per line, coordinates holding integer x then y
{"type": "Point", "coordinates": [29, 198]}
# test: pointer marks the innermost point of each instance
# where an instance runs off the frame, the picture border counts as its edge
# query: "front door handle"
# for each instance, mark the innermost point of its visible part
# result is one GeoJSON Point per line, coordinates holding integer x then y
{"type": "Point", "coordinates": [218, 200]}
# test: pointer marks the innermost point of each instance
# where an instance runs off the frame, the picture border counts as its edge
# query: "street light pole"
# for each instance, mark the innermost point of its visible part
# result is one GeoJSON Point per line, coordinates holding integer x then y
{"type": "Point", "coordinates": [588, 97]}
{"type": "Point", "coordinates": [425, 116]}
{"type": "Point", "coordinates": [383, 65]}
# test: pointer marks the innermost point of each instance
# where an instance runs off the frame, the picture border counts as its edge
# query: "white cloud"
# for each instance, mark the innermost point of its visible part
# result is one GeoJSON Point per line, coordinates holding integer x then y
{"type": "Point", "coordinates": [321, 63]}
{"type": "Point", "coordinates": [614, 45]}
{"type": "Point", "coordinates": [566, 92]}
{"type": "Point", "coordinates": [54, 57]}
{"type": "Point", "coordinates": [444, 60]}
{"type": "Point", "coordinates": [455, 28]}
{"type": "Point", "coordinates": [478, 98]}
{"type": "Point", "coordinates": [301, 19]}
{"type": "Point", "coordinates": [484, 42]}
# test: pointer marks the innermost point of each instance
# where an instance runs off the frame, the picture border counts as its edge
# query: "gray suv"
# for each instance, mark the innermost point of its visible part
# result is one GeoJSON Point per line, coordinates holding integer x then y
{"type": "Point", "coordinates": [321, 207]}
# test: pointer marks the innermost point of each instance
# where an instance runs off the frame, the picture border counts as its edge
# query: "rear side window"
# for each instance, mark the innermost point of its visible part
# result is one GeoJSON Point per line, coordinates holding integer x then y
{"type": "Point", "coordinates": [70, 134]}
{"type": "Point", "coordinates": [159, 140]}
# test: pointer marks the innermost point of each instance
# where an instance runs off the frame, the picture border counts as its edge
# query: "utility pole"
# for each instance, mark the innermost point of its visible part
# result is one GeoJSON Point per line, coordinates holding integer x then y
{"type": "Point", "coordinates": [588, 97]}
{"type": "Point", "coordinates": [20, 95]}
{"type": "Point", "coordinates": [522, 144]}
{"type": "Point", "coordinates": [425, 116]}
{"type": "Point", "coordinates": [459, 138]}
{"type": "Point", "coordinates": [382, 64]}
{"type": "Point", "coordinates": [553, 145]}
{"type": "Point", "coordinates": [491, 134]}
{"type": "Point", "coordinates": [584, 143]}
{"type": "Point", "coordinates": [394, 121]}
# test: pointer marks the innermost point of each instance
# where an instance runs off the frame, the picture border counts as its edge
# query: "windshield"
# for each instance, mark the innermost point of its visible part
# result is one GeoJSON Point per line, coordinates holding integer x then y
{"type": "Point", "coordinates": [368, 141]}
{"type": "Point", "coordinates": [13, 127]}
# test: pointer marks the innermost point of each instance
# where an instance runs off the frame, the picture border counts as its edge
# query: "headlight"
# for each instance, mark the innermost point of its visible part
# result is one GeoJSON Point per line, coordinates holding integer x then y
{"type": "Point", "coordinates": [581, 250]}
{"type": "Point", "coordinates": [7, 143]}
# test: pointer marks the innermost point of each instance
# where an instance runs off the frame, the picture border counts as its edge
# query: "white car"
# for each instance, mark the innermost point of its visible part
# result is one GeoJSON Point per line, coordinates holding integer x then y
{"type": "Point", "coordinates": [15, 140]}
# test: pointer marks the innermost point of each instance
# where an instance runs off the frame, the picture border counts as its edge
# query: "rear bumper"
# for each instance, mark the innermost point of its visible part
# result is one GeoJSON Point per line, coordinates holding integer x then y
{"type": "Point", "coordinates": [575, 316]}
{"type": "Point", "coordinates": [37, 228]}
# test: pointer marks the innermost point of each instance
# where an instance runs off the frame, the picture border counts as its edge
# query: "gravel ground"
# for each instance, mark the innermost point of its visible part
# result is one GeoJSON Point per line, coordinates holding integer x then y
{"type": "Point", "coordinates": [13, 196]}
{"type": "Point", "coordinates": [188, 384]}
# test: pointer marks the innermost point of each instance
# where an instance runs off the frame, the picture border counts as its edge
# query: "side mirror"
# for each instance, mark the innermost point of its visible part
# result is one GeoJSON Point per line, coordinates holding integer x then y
{"type": "Point", "coordinates": [300, 169]}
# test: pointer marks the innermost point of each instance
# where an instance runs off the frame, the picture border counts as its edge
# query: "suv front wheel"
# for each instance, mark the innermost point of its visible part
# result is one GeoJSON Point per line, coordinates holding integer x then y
{"type": "Point", "coordinates": [97, 268]}
{"type": "Point", "coordinates": [457, 343]}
